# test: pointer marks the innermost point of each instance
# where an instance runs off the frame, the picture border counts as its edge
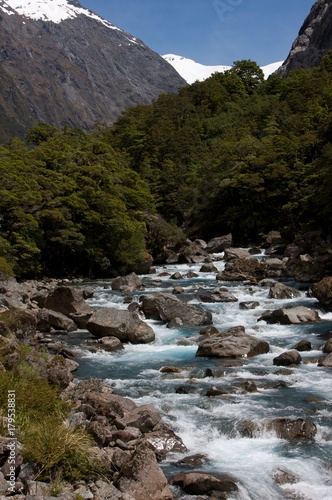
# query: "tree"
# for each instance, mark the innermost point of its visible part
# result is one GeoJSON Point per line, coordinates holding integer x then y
{"type": "Point", "coordinates": [249, 73]}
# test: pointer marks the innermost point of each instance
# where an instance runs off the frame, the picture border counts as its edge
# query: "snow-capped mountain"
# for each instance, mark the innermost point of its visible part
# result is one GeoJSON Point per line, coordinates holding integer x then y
{"type": "Point", "coordinates": [192, 71]}
{"type": "Point", "coordinates": [51, 10]}
{"type": "Point", "coordinates": [64, 65]}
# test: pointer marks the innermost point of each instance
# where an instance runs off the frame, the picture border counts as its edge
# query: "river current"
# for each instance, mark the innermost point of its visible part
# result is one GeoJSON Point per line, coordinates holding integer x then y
{"type": "Point", "coordinates": [210, 425]}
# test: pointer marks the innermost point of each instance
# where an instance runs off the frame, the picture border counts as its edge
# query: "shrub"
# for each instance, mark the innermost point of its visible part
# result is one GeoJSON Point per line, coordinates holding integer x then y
{"type": "Point", "coordinates": [56, 451]}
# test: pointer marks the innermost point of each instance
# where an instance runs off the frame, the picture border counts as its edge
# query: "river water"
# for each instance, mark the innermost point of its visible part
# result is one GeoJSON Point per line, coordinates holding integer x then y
{"type": "Point", "coordinates": [210, 425]}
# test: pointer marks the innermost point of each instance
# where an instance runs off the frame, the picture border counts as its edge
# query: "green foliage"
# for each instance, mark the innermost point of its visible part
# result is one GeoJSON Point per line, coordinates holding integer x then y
{"type": "Point", "coordinates": [67, 200]}
{"type": "Point", "coordinates": [237, 153]}
{"type": "Point", "coordinates": [57, 452]}
{"type": "Point", "coordinates": [35, 398]}
{"type": "Point", "coordinates": [250, 75]}
{"type": "Point", "coordinates": [233, 153]}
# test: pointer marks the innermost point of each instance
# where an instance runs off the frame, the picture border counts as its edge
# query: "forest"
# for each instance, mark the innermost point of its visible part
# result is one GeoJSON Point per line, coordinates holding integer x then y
{"type": "Point", "coordinates": [235, 153]}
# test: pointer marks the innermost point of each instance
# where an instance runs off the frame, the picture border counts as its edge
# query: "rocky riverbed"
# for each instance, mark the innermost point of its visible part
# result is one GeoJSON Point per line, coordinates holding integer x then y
{"type": "Point", "coordinates": [216, 355]}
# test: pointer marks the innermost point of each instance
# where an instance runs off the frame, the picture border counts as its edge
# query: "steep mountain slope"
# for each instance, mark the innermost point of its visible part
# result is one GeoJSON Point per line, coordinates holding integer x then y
{"type": "Point", "coordinates": [64, 65]}
{"type": "Point", "coordinates": [191, 70]}
{"type": "Point", "coordinates": [314, 39]}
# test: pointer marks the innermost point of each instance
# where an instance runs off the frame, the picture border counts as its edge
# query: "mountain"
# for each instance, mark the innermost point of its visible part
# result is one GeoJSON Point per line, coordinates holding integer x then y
{"type": "Point", "coordinates": [64, 65]}
{"type": "Point", "coordinates": [314, 39]}
{"type": "Point", "coordinates": [191, 70]}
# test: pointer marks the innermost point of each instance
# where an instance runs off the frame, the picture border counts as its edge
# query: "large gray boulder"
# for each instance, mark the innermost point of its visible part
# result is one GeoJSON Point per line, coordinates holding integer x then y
{"type": "Point", "coordinates": [68, 301]}
{"type": "Point", "coordinates": [125, 325]}
{"type": "Point", "coordinates": [167, 308]}
{"type": "Point", "coordinates": [232, 343]}
{"type": "Point", "coordinates": [290, 316]}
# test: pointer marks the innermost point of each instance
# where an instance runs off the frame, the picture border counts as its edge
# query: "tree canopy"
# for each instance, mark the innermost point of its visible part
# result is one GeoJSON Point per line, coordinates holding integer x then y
{"type": "Point", "coordinates": [234, 153]}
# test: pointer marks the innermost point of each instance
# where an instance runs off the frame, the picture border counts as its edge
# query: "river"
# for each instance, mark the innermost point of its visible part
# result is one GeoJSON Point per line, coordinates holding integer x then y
{"type": "Point", "coordinates": [210, 425]}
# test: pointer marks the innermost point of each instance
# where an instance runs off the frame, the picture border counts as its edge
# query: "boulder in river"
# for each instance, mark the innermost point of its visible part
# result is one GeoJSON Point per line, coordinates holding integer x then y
{"type": "Point", "coordinates": [232, 343]}
{"type": "Point", "coordinates": [219, 244]}
{"type": "Point", "coordinates": [236, 253]}
{"type": "Point", "coordinates": [208, 267]}
{"type": "Point", "coordinates": [167, 308]}
{"type": "Point", "coordinates": [288, 358]}
{"type": "Point", "coordinates": [303, 346]}
{"type": "Point", "coordinates": [125, 325]}
{"type": "Point", "coordinates": [328, 347]}
{"type": "Point", "coordinates": [326, 361]}
{"type": "Point", "coordinates": [250, 270]}
{"type": "Point", "coordinates": [293, 429]}
{"type": "Point", "coordinates": [216, 295]}
{"type": "Point", "coordinates": [110, 344]}
{"type": "Point", "coordinates": [285, 428]}
{"type": "Point", "coordinates": [322, 291]}
{"type": "Point", "coordinates": [127, 283]}
{"type": "Point", "coordinates": [281, 291]}
{"type": "Point", "coordinates": [204, 483]}
{"type": "Point", "coordinates": [290, 316]}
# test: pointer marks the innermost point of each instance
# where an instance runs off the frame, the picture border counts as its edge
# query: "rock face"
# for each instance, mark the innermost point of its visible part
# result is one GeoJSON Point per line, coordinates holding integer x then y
{"type": "Point", "coordinates": [167, 308]}
{"type": "Point", "coordinates": [68, 66]}
{"type": "Point", "coordinates": [232, 343]}
{"type": "Point", "coordinates": [314, 39]}
{"type": "Point", "coordinates": [125, 325]}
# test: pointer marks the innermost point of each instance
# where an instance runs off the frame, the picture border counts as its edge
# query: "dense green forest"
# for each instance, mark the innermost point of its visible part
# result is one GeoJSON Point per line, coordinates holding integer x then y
{"type": "Point", "coordinates": [234, 154]}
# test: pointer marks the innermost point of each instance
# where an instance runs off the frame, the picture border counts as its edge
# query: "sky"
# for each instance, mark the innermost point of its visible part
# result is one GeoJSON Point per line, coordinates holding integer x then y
{"type": "Point", "coordinates": [210, 31]}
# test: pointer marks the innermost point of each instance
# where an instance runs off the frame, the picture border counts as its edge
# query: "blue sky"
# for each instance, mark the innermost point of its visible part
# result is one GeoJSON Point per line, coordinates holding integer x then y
{"type": "Point", "coordinates": [210, 31]}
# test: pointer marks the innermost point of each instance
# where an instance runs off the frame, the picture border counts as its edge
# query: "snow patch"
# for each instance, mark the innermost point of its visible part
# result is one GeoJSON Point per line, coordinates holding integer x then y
{"type": "Point", "coordinates": [192, 71]}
